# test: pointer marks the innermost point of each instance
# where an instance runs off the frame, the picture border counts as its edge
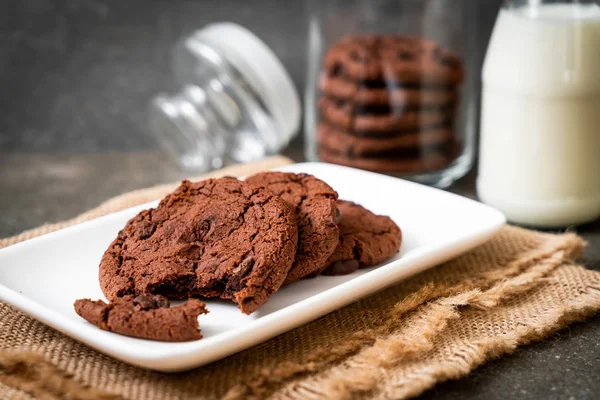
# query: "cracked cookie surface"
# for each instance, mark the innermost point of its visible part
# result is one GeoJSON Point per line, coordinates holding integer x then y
{"type": "Point", "coordinates": [365, 239]}
{"type": "Point", "coordinates": [315, 204]}
{"type": "Point", "coordinates": [215, 238]}
{"type": "Point", "coordinates": [394, 58]}
{"type": "Point", "coordinates": [146, 316]}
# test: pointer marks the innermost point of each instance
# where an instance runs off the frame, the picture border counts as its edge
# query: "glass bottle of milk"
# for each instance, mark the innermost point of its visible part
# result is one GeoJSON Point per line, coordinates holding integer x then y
{"type": "Point", "coordinates": [540, 123]}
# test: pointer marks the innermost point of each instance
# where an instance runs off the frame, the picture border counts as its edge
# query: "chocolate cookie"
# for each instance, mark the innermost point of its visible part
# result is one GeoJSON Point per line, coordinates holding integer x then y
{"type": "Point", "coordinates": [146, 316]}
{"type": "Point", "coordinates": [393, 58]}
{"type": "Point", "coordinates": [215, 238]}
{"type": "Point", "coordinates": [339, 141]}
{"type": "Point", "coordinates": [427, 162]}
{"type": "Point", "coordinates": [365, 239]}
{"type": "Point", "coordinates": [345, 115]}
{"type": "Point", "coordinates": [314, 202]}
{"type": "Point", "coordinates": [385, 93]}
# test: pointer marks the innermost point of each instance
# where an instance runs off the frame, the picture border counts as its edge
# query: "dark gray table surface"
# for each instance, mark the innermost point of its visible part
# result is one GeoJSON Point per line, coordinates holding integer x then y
{"type": "Point", "coordinates": [75, 78]}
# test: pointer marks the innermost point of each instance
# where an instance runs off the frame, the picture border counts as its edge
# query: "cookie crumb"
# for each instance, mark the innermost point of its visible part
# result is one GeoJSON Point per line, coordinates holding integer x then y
{"type": "Point", "coordinates": [146, 316]}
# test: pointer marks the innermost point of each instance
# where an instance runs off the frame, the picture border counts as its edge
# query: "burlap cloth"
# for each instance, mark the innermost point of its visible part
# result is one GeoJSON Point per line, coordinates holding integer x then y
{"type": "Point", "coordinates": [439, 325]}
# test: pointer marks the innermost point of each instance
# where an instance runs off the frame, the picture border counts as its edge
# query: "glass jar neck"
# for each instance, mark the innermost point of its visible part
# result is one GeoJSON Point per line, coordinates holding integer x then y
{"type": "Point", "coordinates": [216, 115]}
{"type": "Point", "coordinates": [183, 125]}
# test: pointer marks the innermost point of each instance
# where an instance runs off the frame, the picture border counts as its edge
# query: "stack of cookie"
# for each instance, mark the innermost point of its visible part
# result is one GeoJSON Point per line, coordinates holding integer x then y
{"type": "Point", "coordinates": [230, 239]}
{"type": "Point", "coordinates": [389, 104]}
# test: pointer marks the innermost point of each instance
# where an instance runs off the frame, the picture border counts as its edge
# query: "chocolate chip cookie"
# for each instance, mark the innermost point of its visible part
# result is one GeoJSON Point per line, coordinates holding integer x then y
{"type": "Point", "coordinates": [393, 58]}
{"type": "Point", "coordinates": [365, 239]}
{"type": "Point", "coordinates": [215, 238]}
{"type": "Point", "coordinates": [146, 316]}
{"type": "Point", "coordinates": [389, 104]}
{"type": "Point", "coordinates": [314, 202]}
{"type": "Point", "coordinates": [386, 93]}
{"type": "Point", "coordinates": [346, 115]}
{"type": "Point", "coordinates": [339, 141]}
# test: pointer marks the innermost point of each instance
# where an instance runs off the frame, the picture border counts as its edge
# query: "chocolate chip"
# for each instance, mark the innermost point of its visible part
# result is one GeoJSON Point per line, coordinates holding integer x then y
{"type": "Point", "coordinates": [162, 302]}
{"type": "Point", "coordinates": [145, 229]}
{"type": "Point", "coordinates": [359, 56]}
{"type": "Point", "coordinates": [145, 301]}
{"type": "Point", "coordinates": [245, 267]}
{"type": "Point", "coordinates": [445, 58]}
{"type": "Point", "coordinates": [149, 301]}
{"type": "Point", "coordinates": [405, 55]}
{"type": "Point", "coordinates": [342, 267]}
{"type": "Point", "coordinates": [201, 229]}
{"type": "Point", "coordinates": [449, 61]}
{"type": "Point", "coordinates": [236, 281]}
{"type": "Point", "coordinates": [336, 70]}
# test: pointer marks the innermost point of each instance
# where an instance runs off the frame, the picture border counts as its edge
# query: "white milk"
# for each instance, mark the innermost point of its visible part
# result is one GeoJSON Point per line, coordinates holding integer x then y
{"type": "Point", "coordinates": [540, 123]}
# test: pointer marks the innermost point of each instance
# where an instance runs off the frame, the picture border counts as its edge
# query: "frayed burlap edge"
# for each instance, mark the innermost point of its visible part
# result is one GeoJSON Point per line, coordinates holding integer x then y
{"type": "Point", "coordinates": [431, 307]}
{"type": "Point", "coordinates": [362, 370]}
{"type": "Point", "coordinates": [32, 374]}
{"type": "Point", "coordinates": [366, 371]}
{"type": "Point", "coordinates": [355, 367]}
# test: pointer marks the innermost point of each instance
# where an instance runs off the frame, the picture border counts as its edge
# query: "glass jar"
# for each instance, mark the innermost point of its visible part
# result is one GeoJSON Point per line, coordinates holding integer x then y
{"type": "Point", "coordinates": [236, 100]}
{"type": "Point", "coordinates": [539, 157]}
{"type": "Point", "coordinates": [391, 86]}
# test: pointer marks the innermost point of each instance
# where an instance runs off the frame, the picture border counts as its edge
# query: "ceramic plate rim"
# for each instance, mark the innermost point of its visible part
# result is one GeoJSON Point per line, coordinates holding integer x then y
{"type": "Point", "coordinates": [268, 326]}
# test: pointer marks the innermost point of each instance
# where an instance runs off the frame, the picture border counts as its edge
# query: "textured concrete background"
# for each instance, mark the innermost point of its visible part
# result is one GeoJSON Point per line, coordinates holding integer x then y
{"type": "Point", "coordinates": [75, 79]}
{"type": "Point", "coordinates": [76, 75]}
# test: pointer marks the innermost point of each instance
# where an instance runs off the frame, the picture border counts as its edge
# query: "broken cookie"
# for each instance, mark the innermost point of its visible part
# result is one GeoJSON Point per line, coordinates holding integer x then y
{"type": "Point", "coordinates": [146, 316]}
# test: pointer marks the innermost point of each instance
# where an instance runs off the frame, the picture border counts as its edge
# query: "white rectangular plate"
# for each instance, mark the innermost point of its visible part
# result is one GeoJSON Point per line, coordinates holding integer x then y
{"type": "Point", "coordinates": [45, 275]}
